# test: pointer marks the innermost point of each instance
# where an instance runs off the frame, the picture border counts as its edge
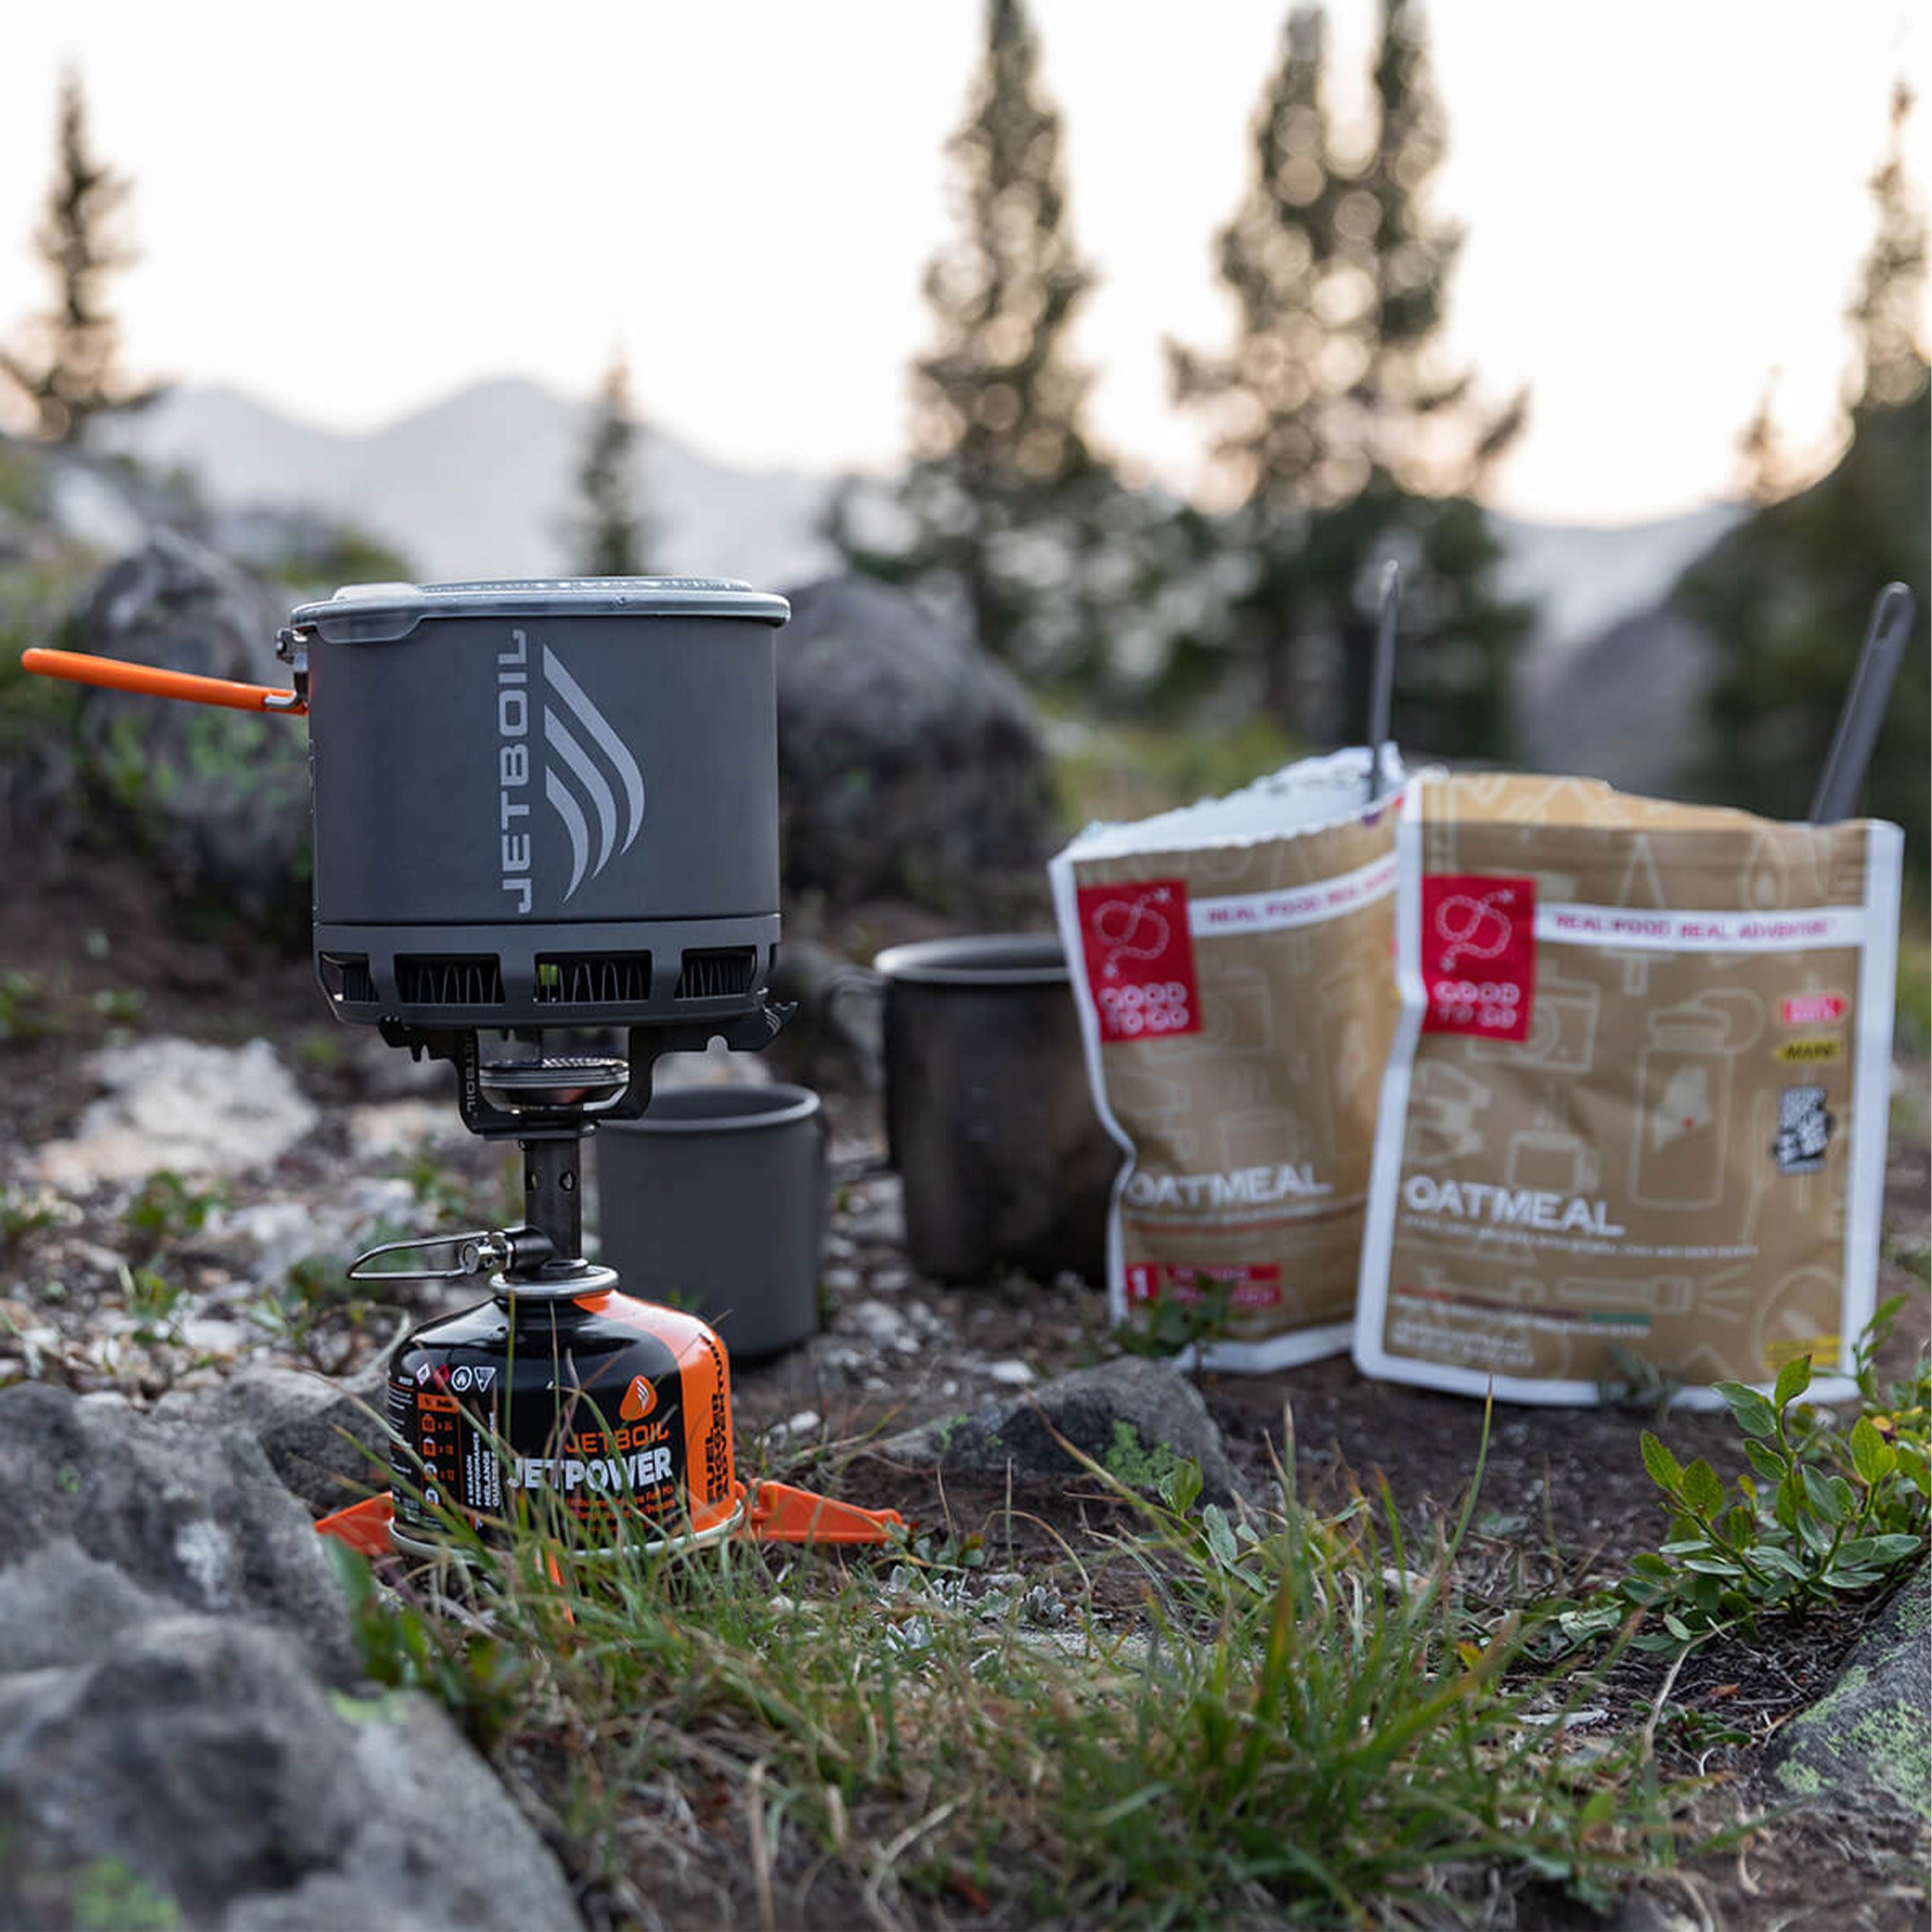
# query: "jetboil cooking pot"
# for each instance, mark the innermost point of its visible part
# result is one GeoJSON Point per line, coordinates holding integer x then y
{"type": "Point", "coordinates": [535, 802]}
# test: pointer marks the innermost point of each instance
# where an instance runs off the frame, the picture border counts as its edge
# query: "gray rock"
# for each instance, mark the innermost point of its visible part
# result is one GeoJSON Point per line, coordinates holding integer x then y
{"type": "Point", "coordinates": [193, 1516]}
{"type": "Point", "coordinates": [1871, 1733]}
{"type": "Point", "coordinates": [911, 764]}
{"type": "Point", "coordinates": [1134, 1417]}
{"type": "Point", "coordinates": [219, 798]}
{"type": "Point", "coordinates": [264, 1239]}
{"type": "Point", "coordinates": [58, 1605]}
{"type": "Point", "coordinates": [877, 1321]}
{"type": "Point", "coordinates": [326, 1440]}
{"type": "Point", "coordinates": [196, 1768]}
{"type": "Point", "coordinates": [183, 1105]}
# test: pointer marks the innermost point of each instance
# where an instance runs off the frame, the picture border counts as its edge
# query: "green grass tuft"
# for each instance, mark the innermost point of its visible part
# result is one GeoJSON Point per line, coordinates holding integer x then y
{"type": "Point", "coordinates": [1295, 1714]}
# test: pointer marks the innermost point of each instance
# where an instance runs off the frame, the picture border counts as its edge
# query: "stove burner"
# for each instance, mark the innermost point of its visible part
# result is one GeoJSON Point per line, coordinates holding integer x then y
{"type": "Point", "coordinates": [584, 1083]}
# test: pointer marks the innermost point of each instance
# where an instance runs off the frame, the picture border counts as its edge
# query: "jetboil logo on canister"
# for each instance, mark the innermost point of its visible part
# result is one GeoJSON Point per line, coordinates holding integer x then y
{"type": "Point", "coordinates": [575, 785]}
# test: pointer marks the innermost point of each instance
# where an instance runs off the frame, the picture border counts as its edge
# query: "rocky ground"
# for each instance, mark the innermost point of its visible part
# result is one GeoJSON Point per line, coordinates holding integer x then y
{"type": "Point", "coordinates": [131, 1049]}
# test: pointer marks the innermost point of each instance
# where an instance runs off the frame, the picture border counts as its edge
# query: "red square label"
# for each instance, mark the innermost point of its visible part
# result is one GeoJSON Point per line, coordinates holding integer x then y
{"type": "Point", "coordinates": [1249, 1285]}
{"type": "Point", "coordinates": [1478, 954]}
{"type": "Point", "coordinates": [1814, 1009]}
{"type": "Point", "coordinates": [1139, 958]}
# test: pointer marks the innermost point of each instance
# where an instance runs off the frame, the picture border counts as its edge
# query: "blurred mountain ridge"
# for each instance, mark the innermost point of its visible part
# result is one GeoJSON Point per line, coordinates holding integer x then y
{"type": "Point", "coordinates": [479, 483]}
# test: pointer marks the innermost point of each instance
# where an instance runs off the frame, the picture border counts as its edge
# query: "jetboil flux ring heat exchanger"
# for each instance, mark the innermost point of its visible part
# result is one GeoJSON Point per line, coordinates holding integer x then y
{"type": "Point", "coordinates": [539, 808]}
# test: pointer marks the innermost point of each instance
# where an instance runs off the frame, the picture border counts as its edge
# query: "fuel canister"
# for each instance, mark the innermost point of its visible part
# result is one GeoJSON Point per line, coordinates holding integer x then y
{"type": "Point", "coordinates": [606, 1417]}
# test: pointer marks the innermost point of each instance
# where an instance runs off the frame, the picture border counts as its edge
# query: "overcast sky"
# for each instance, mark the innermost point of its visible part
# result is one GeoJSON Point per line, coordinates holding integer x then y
{"type": "Point", "coordinates": [350, 209]}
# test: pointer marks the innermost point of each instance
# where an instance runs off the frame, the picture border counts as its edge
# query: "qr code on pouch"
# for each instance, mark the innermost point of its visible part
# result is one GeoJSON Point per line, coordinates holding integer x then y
{"type": "Point", "coordinates": [1804, 1130]}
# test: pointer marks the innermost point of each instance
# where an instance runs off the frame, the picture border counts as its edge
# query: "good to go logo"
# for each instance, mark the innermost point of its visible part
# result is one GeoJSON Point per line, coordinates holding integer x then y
{"type": "Point", "coordinates": [1473, 926]}
{"type": "Point", "coordinates": [1132, 929]}
{"type": "Point", "coordinates": [1139, 958]}
{"type": "Point", "coordinates": [1478, 951]}
{"type": "Point", "coordinates": [587, 765]}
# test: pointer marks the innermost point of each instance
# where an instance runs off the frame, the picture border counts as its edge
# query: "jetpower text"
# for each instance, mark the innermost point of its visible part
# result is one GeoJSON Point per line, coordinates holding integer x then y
{"type": "Point", "coordinates": [569, 1474]}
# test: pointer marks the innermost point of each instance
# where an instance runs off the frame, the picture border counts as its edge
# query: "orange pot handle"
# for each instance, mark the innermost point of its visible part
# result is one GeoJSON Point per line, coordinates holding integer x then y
{"type": "Point", "coordinates": [117, 674]}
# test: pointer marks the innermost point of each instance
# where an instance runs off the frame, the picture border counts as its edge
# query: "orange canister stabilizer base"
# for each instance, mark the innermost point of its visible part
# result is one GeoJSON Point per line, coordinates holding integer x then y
{"type": "Point", "coordinates": [779, 1513]}
{"type": "Point", "coordinates": [775, 1513]}
{"type": "Point", "coordinates": [364, 1526]}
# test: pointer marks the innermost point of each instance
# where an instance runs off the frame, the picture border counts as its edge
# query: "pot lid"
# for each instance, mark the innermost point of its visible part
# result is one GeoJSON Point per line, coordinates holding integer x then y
{"type": "Point", "coordinates": [379, 613]}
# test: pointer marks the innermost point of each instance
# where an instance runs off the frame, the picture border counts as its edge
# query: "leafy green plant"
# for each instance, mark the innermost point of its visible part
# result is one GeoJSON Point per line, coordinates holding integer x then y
{"type": "Point", "coordinates": [166, 1208]}
{"type": "Point", "coordinates": [1635, 1382]}
{"type": "Point", "coordinates": [37, 605]}
{"type": "Point", "coordinates": [21, 1215]}
{"type": "Point", "coordinates": [321, 1051]}
{"type": "Point", "coordinates": [155, 1302]}
{"type": "Point", "coordinates": [1122, 770]}
{"type": "Point", "coordinates": [317, 1313]}
{"type": "Point", "coordinates": [1912, 1016]}
{"type": "Point", "coordinates": [26, 1007]}
{"type": "Point", "coordinates": [1826, 1510]}
{"type": "Point", "coordinates": [108, 1896]}
{"type": "Point", "coordinates": [1172, 1324]}
{"type": "Point", "coordinates": [478, 1678]}
{"type": "Point", "coordinates": [432, 1186]}
{"type": "Point", "coordinates": [119, 1006]}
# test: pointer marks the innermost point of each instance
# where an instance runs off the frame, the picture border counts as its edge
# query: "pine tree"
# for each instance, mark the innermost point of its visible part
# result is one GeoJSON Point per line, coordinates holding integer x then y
{"type": "Point", "coordinates": [611, 535]}
{"type": "Point", "coordinates": [1785, 597]}
{"type": "Point", "coordinates": [1887, 318]}
{"type": "Point", "coordinates": [69, 372]}
{"type": "Point", "coordinates": [1345, 438]}
{"type": "Point", "coordinates": [1763, 474]}
{"type": "Point", "coordinates": [994, 512]}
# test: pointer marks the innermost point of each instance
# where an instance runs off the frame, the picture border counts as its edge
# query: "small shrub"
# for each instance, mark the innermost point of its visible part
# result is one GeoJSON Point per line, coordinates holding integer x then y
{"type": "Point", "coordinates": [23, 1215]}
{"type": "Point", "coordinates": [155, 1302]}
{"type": "Point", "coordinates": [26, 1007]}
{"type": "Point", "coordinates": [165, 1208]}
{"type": "Point", "coordinates": [1173, 1325]}
{"type": "Point", "coordinates": [317, 1313]}
{"type": "Point", "coordinates": [480, 1679]}
{"type": "Point", "coordinates": [1826, 1511]}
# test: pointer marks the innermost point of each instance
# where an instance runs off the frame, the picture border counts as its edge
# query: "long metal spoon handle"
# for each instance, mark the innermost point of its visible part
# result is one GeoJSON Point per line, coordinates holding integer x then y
{"type": "Point", "coordinates": [1382, 676]}
{"type": "Point", "coordinates": [1884, 650]}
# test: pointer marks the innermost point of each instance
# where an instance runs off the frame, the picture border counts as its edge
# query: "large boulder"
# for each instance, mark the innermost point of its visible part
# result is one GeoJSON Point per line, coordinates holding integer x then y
{"type": "Point", "coordinates": [218, 798]}
{"type": "Point", "coordinates": [185, 1738]}
{"type": "Point", "coordinates": [194, 1772]}
{"type": "Point", "coordinates": [188, 1518]}
{"type": "Point", "coordinates": [326, 1440]}
{"type": "Point", "coordinates": [911, 764]}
